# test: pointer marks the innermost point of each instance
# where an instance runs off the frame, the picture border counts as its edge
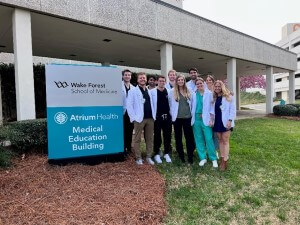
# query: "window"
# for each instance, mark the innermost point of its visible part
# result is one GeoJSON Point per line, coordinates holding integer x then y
{"type": "Point", "coordinates": [278, 80]}
{"type": "Point", "coordinates": [298, 59]}
{"type": "Point", "coordinates": [296, 44]}
{"type": "Point", "coordinates": [297, 75]}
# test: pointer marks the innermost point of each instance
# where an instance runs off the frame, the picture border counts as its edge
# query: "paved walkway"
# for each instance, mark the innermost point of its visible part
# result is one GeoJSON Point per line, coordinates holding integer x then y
{"type": "Point", "coordinates": [253, 111]}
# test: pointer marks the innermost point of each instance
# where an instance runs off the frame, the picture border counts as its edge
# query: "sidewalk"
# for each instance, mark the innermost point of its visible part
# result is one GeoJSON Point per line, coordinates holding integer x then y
{"type": "Point", "coordinates": [253, 111]}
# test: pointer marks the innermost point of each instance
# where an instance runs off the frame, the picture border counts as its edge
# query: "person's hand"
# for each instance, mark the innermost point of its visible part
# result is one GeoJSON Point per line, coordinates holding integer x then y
{"type": "Point", "coordinates": [211, 123]}
{"type": "Point", "coordinates": [228, 125]}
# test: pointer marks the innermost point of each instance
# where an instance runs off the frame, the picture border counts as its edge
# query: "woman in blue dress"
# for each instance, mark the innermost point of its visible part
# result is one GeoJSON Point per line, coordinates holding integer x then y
{"type": "Point", "coordinates": [225, 113]}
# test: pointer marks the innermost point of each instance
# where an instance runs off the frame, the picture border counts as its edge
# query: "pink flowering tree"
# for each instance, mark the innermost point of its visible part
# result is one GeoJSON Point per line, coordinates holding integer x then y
{"type": "Point", "coordinates": [256, 81]}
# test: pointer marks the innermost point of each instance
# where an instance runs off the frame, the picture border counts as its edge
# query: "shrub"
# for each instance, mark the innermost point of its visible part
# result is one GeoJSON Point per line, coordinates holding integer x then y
{"type": "Point", "coordinates": [5, 157]}
{"type": "Point", "coordinates": [26, 135]}
{"type": "Point", "coordinates": [286, 110]}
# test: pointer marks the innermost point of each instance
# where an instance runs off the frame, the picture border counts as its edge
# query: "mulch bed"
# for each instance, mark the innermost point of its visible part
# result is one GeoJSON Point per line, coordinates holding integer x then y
{"type": "Point", "coordinates": [34, 192]}
{"type": "Point", "coordinates": [297, 118]}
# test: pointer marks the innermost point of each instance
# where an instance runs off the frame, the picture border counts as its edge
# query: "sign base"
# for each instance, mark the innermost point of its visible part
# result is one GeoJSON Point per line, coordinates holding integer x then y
{"type": "Point", "coordinates": [89, 160]}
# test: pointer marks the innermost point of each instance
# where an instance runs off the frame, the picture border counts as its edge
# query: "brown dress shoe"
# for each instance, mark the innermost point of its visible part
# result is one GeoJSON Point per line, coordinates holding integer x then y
{"type": "Point", "coordinates": [222, 164]}
{"type": "Point", "coordinates": [225, 164]}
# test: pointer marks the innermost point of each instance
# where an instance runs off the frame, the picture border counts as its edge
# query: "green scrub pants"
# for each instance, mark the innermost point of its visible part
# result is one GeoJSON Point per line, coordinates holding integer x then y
{"type": "Point", "coordinates": [204, 139]}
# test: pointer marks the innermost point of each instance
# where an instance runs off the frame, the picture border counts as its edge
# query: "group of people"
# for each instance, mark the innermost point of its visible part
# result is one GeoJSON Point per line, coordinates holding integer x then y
{"type": "Point", "coordinates": [202, 110]}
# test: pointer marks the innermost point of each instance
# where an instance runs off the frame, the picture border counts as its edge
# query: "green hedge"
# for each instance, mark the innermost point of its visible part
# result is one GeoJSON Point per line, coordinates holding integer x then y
{"type": "Point", "coordinates": [27, 135]}
{"type": "Point", "coordinates": [287, 110]}
{"type": "Point", "coordinates": [5, 157]}
{"type": "Point", "coordinates": [7, 73]}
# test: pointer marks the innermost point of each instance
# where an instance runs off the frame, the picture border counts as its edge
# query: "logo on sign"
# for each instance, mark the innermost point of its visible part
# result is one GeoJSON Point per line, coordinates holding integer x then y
{"type": "Point", "coordinates": [60, 84]}
{"type": "Point", "coordinates": [60, 118]}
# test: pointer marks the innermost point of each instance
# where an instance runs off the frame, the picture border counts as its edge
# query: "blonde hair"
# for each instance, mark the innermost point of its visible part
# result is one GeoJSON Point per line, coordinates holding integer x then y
{"type": "Point", "coordinates": [172, 70]}
{"type": "Point", "coordinates": [199, 78]}
{"type": "Point", "coordinates": [186, 92]}
{"type": "Point", "coordinates": [225, 92]}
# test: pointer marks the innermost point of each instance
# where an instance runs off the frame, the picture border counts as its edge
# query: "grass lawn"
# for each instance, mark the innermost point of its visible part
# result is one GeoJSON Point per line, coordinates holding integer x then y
{"type": "Point", "coordinates": [262, 185]}
{"type": "Point", "coordinates": [252, 98]}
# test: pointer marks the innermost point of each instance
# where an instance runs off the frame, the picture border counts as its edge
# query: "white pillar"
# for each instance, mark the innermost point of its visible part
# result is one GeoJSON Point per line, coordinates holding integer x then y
{"type": "Point", "coordinates": [231, 76]}
{"type": "Point", "coordinates": [269, 89]}
{"type": "Point", "coordinates": [291, 87]}
{"type": "Point", "coordinates": [166, 59]}
{"type": "Point", "coordinates": [23, 64]}
{"type": "Point", "coordinates": [238, 93]}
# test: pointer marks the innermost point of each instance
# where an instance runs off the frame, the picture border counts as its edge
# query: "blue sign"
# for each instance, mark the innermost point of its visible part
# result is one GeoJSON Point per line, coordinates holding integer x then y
{"type": "Point", "coordinates": [84, 111]}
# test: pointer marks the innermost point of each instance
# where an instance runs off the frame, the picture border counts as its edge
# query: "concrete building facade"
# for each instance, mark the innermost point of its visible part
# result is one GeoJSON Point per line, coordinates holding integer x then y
{"type": "Point", "coordinates": [290, 41]}
{"type": "Point", "coordinates": [149, 34]}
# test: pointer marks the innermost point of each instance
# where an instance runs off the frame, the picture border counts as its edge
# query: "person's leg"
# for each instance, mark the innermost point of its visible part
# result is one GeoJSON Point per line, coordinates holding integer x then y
{"type": "Point", "coordinates": [167, 131]}
{"type": "Point", "coordinates": [157, 136]}
{"type": "Point", "coordinates": [225, 137]}
{"type": "Point", "coordinates": [130, 132]}
{"type": "Point", "coordinates": [219, 134]}
{"type": "Point", "coordinates": [149, 128]}
{"type": "Point", "coordinates": [128, 128]}
{"type": "Point", "coordinates": [216, 142]}
{"type": "Point", "coordinates": [199, 139]}
{"type": "Point", "coordinates": [209, 142]}
{"type": "Point", "coordinates": [189, 139]}
{"type": "Point", "coordinates": [178, 138]}
{"type": "Point", "coordinates": [138, 129]}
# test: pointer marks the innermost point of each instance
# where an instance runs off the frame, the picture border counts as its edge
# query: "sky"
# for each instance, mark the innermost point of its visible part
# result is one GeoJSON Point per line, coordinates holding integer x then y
{"type": "Point", "coordinates": [262, 19]}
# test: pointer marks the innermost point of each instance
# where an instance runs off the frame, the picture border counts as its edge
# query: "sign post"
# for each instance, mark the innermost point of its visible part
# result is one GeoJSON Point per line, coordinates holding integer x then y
{"type": "Point", "coordinates": [84, 111]}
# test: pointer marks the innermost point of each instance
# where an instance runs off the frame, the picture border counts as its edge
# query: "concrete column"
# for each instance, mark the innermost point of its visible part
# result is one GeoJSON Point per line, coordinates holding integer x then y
{"type": "Point", "coordinates": [166, 59]}
{"type": "Point", "coordinates": [291, 87]}
{"type": "Point", "coordinates": [21, 22]}
{"type": "Point", "coordinates": [231, 76]}
{"type": "Point", "coordinates": [238, 93]}
{"type": "Point", "coordinates": [269, 89]}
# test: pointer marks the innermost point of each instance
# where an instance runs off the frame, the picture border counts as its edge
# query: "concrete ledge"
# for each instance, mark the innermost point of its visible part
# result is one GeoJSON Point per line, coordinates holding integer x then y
{"type": "Point", "coordinates": [161, 21]}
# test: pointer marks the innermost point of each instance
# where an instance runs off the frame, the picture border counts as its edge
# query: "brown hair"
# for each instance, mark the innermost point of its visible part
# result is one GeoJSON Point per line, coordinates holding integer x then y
{"type": "Point", "coordinates": [211, 77]}
{"type": "Point", "coordinates": [162, 77]}
{"type": "Point", "coordinates": [124, 71]}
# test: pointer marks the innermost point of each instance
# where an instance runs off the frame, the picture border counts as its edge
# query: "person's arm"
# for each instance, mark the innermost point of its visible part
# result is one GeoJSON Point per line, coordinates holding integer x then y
{"type": "Point", "coordinates": [232, 113]}
{"type": "Point", "coordinates": [212, 110]}
{"type": "Point", "coordinates": [130, 105]}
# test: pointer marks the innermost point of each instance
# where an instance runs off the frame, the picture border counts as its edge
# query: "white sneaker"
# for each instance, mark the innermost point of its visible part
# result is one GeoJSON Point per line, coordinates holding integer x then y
{"type": "Point", "coordinates": [157, 159]}
{"type": "Point", "coordinates": [139, 162]}
{"type": "Point", "coordinates": [202, 162]}
{"type": "Point", "coordinates": [215, 164]}
{"type": "Point", "coordinates": [150, 161]}
{"type": "Point", "coordinates": [167, 158]}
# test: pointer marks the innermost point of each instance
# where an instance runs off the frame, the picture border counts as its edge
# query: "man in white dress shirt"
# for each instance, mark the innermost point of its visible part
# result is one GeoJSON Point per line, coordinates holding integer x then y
{"type": "Point", "coordinates": [192, 83]}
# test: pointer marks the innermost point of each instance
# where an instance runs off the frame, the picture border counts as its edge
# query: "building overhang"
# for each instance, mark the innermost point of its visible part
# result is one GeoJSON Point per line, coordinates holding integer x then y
{"type": "Point", "coordinates": [137, 30]}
